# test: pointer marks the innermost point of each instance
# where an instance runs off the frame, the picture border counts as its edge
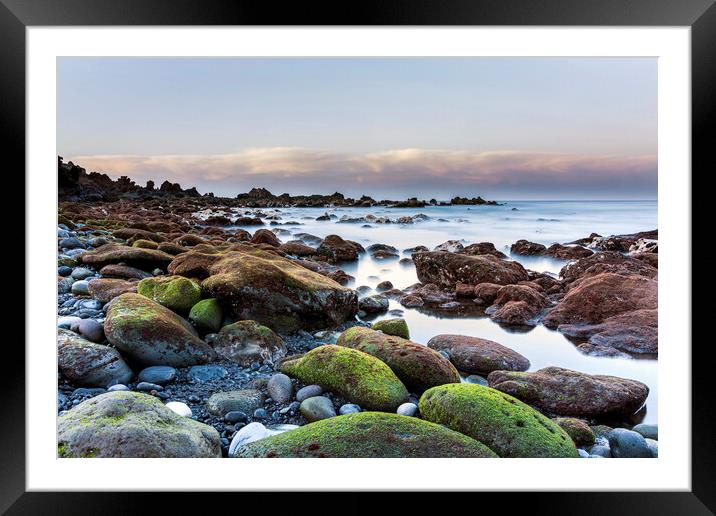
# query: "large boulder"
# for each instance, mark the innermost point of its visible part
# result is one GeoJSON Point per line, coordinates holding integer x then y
{"type": "Point", "coordinates": [417, 366]}
{"type": "Point", "coordinates": [89, 364]}
{"type": "Point", "coordinates": [506, 425]}
{"type": "Point", "coordinates": [352, 374]}
{"type": "Point", "coordinates": [145, 259]}
{"type": "Point", "coordinates": [563, 392]}
{"type": "Point", "coordinates": [593, 299]}
{"type": "Point", "coordinates": [124, 424]}
{"type": "Point", "coordinates": [478, 356]}
{"type": "Point", "coordinates": [335, 249]}
{"type": "Point", "coordinates": [634, 332]}
{"type": "Point", "coordinates": [609, 261]}
{"type": "Point", "coordinates": [259, 285]}
{"type": "Point", "coordinates": [367, 435]}
{"type": "Point", "coordinates": [245, 342]}
{"type": "Point", "coordinates": [177, 293]}
{"type": "Point", "coordinates": [447, 269]}
{"type": "Point", "coordinates": [151, 334]}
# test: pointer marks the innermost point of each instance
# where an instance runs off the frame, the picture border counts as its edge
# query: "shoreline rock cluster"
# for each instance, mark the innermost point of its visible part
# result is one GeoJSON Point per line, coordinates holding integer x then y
{"type": "Point", "coordinates": [189, 339]}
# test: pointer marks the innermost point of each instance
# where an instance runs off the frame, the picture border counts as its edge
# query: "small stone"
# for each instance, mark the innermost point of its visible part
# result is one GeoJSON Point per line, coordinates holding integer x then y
{"type": "Point", "coordinates": [628, 444]}
{"type": "Point", "coordinates": [67, 321]}
{"type": "Point", "coordinates": [180, 408]}
{"type": "Point", "coordinates": [80, 288]}
{"type": "Point", "coordinates": [84, 391]}
{"type": "Point", "coordinates": [91, 330]}
{"type": "Point", "coordinates": [601, 450]}
{"type": "Point", "coordinates": [476, 379]}
{"type": "Point", "coordinates": [160, 375]}
{"type": "Point", "coordinates": [308, 391]}
{"type": "Point", "coordinates": [407, 409]}
{"type": "Point", "coordinates": [64, 270]}
{"type": "Point", "coordinates": [118, 387]}
{"type": "Point", "coordinates": [260, 413]}
{"type": "Point", "coordinates": [349, 408]}
{"type": "Point", "coordinates": [149, 387]}
{"type": "Point", "coordinates": [235, 416]}
{"type": "Point", "coordinates": [384, 285]}
{"type": "Point", "coordinates": [649, 431]}
{"type": "Point", "coordinates": [206, 373]}
{"type": "Point", "coordinates": [81, 273]}
{"type": "Point", "coordinates": [280, 388]}
{"type": "Point", "coordinates": [317, 408]}
{"type": "Point", "coordinates": [653, 447]}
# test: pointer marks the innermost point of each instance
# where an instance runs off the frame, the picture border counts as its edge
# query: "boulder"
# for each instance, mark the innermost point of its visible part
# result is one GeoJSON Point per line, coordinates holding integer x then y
{"type": "Point", "coordinates": [264, 236]}
{"type": "Point", "coordinates": [447, 269]}
{"type": "Point", "coordinates": [527, 248]}
{"type": "Point", "coordinates": [335, 249]}
{"type": "Point", "coordinates": [245, 342]}
{"type": "Point", "coordinates": [396, 326]}
{"type": "Point", "coordinates": [568, 252]}
{"type": "Point", "coordinates": [506, 425]}
{"type": "Point", "coordinates": [356, 376]}
{"type": "Point", "coordinates": [144, 259]}
{"type": "Point", "coordinates": [417, 366]}
{"type": "Point", "coordinates": [563, 392]}
{"type": "Point", "coordinates": [123, 272]}
{"type": "Point", "coordinates": [609, 261]}
{"type": "Point", "coordinates": [516, 313]}
{"type": "Point", "coordinates": [151, 334]}
{"type": "Point", "coordinates": [635, 332]}
{"type": "Point", "coordinates": [124, 424]}
{"type": "Point", "coordinates": [367, 435]}
{"type": "Point", "coordinates": [177, 293]}
{"type": "Point", "coordinates": [106, 289]}
{"type": "Point", "coordinates": [297, 248]}
{"type": "Point", "coordinates": [93, 365]}
{"type": "Point", "coordinates": [479, 356]}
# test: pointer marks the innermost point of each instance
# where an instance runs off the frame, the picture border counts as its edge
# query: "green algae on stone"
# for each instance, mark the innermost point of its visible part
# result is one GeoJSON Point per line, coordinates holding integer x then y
{"type": "Point", "coordinates": [367, 435]}
{"type": "Point", "coordinates": [352, 374]}
{"type": "Point", "coordinates": [145, 244]}
{"type": "Point", "coordinates": [127, 424]}
{"type": "Point", "coordinates": [175, 292]}
{"type": "Point", "coordinates": [417, 366]}
{"type": "Point", "coordinates": [207, 315]}
{"type": "Point", "coordinates": [578, 430]}
{"type": "Point", "coordinates": [151, 334]}
{"type": "Point", "coordinates": [503, 423]}
{"type": "Point", "coordinates": [397, 327]}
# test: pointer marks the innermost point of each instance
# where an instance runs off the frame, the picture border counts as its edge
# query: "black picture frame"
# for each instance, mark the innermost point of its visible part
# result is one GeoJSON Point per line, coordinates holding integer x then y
{"type": "Point", "coordinates": [700, 15]}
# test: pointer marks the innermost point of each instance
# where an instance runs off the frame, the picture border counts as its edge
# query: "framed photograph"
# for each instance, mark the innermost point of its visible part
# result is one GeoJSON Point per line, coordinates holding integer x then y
{"type": "Point", "coordinates": [414, 247]}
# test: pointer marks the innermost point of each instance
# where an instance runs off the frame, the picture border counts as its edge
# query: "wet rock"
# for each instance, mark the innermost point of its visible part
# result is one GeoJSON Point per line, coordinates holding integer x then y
{"type": "Point", "coordinates": [527, 248]}
{"type": "Point", "coordinates": [245, 342]}
{"type": "Point", "coordinates": [308, 391]}
{"type": "Point", "coordinates": [179, 408]}
{"type": "Point", "coordinates": [206, 373]}
{"type": "Point", "coordinates": [264, 236]}
{"type": "Point", "coordinates": [447, 269]}
{"type": "Point", "coordinates": [160, 375]}
{"type": "Point", "coordinates": [564, 252]}
{"type": "Point", "coordinates": [635, 332]}
{"type": "Point", "coordinates": [246, 401]}
{"type": "Point", "coordinates": [280, 388]}
{"type": "Point", "coordinates": [352, 374]}
{"type": "Point", "coordinates": [151, 334]}
{"type": "Point", "coordinates": [367, 434]}
{"type": "Point", "coordinates": [407, 409]}
{"type": "Point", "coordinates": [337, 250]}
{"type": "Point", "coordinates": [451, 246]}
{"type": "Point", "coordinates": [86, 363]}
{"type": "Point", "coordinates": [383, 286]}
{"type": "Point", "coordinates": [519, 313]}
{"type": "Point", "coordinates": [476, 355]}
{"type": "Point", "coordinates": [648, 430]}
{"type": "Point", "coordinates": [130, 424]}
{"type": "Point", "coordinates": [578, 430]}
{"type": "Point", "coordinates": [565, 392]}
{"type": "Point", "coordinates": [373, 304]}
{"type": "Point", "coordinates": [417, 366]}
{"type": "Point", "coordinates": [628, 444]}
{"type": "Point", "coordinates": [411, 301]}
{"type": "Point", "coordinates": [349, 408]}
{"type": "Point", "coordinates": [507, 426]}
{"type": "Point", "coordinates": [606, 262]}
{"type": "Point", "coordinates": [483, 248]}
{"type": "Point", "coordinates": [91, 330]}
{"type": "Point", "coordinates": [297, 248]}
{"type": "Point", "coordinates": [317, 408]}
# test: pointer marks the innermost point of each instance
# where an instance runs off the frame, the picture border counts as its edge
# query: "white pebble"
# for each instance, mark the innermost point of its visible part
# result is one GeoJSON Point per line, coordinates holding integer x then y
{"type": "Point", "coordinates": [407, 409]}
{"type": "Point", "coordinates": [180, 408]}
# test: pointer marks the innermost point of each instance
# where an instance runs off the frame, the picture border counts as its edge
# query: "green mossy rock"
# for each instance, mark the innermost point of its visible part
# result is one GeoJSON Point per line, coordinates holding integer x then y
{"type": "Point", "coordinates": [503, 423]}
{"type": "Point", "coordinates": [367, 435]}
{"type": "Point", "coordinates": [151, 334]}
{"type": "Point", "coordinates": [145, 244]}
{"type": "Point", "coordinates": [578, 430]}
{"type": "Point", "coordinates": [130, 424]}
{"type": "Point", "coordinates": [175, 292]}
{"type": "Point", "coordinates": [245, 342]}
{"type": "Point", "coordinates": [145, 259]}
{"type": "Point", "coordinates": [207, 315]}
{"type": "Point", "coordinates": [352, 374]}
{"type": "Point", "coordinates": [417, 366]}
{"type": "Point", "coordinates": [397, 327]}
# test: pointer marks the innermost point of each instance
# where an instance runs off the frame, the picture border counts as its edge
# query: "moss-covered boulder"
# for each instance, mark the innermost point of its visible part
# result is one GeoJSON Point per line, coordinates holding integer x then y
{"type": "Point", "coordinates": [506, 425]}
{"type": "Point", "coordinates": [260, 285]}
{"type": "Point", "coordinates": [245, 342]}
{"type": "Point", "coordinates": [151, 334]}
{"type": "Point", "coordinates": [86, 363]}
{"type": "Point", "coordinates": [417, 366]}
{"type": "Point", "coordinates": [145, 259]}
{"type": "Point", "coordinates": [564, 392]}
{"type": "Point", "coordinates": [578, 430]}
{"type": "Point", "coordinates": [397, 327]}
{"type": "Point", "coordinates": [207, 315]}
{"type": "Point", "coordinates": [352, 374]}
{"type": "Point", "coordinates": [130, 424]}
{"type": "Point", "coordinates": [367, 435]}
{"type": "Point", "coordinates": [175, 292]}
{"type": "Point", "coordinates": [145, 244]}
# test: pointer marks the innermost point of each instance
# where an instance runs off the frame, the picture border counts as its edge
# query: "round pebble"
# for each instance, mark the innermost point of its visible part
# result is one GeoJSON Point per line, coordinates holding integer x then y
{"type": "Point", "coordinates": [159, 375]}
{"type": "Point", "coordinates": [118, 387]}
{"type": "Point", "coordinates": [148, 387]}
{"type": "Point", "coordinates": [280, 388]}
{"type": "Point", "coordinates": [407, 409]}
{"type": "Point", "coordinates": [91, 330]}
{"type": "Point", "coordinates": [349, 408]}
{"type": "Point", "coordinates": [628, 444]}
{"type": "Point", "coordinates": [308, 391]}
{"type": "Point", "coordinates": [235, 416]}
{"type": "Point", "coordinates": [180, 408]}
{"type": "Point", "coordinates": [317, 408]}
{"type": "Point", "coordinates": [649, 431]}
{"type": "Point", "coordinates": [260, 413]}
{"type": "Point", "coordinates": [476, 379]}
{"type": "Point", "coordinates": [81, 273]}
{"type": "Point", "coordinates": [80, 288]}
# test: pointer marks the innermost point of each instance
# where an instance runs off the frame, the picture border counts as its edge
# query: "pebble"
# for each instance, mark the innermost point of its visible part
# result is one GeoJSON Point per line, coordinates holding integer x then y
{"type": "Point", "coordinates": [649, 431]}
{"type": "Point", "coordinates": [653, 447]}
{"type": "Point", "coordinates": [628, 444]}
{"type": "Point", "coordinates": [235, 416]}
{"type": "Point", "coordinates": [317, 408]}
{"type": "Point", "coordinates": [349, 408]}
{"type": "Point", "coordinates": [67, 321]}
{"type": "Point", "coordinates": [81, 273]}
{"type": "Point", "coordinates": [148, 387]}
{"type": "Point", "coordinates": [280, 388]}
{"type": "Point", "coordinates": [601, 450]}
{"type": "Point", "coordinates": [180, 408]}
{"type": "Point", "coordinates": [118, 387]}
{"type": "Point", "coordinates": [70, 243]}
{"type": "Point", "coordinates": [476, 379]}
{"type": "Point", "coordinates": [80, 288]}
{"type": "Point", "coordinates": [206, 373]}
{"type": "Point", "coordinates": [91, 330]}
{"type": "Point", "coordinates": [84, 391]}
{"type": "Point", "coordinates": [582, 453]}
{"type": "Point", "coordinates": [407, 409]}
{"type": "Point", "coordinates": [308, 392]}
{"type": "Point", "coordinates": [260, 413]}
{"type": "Point", "coordinates": [64, 270]}
{"type": "Point", "coordinates": [160, 375]}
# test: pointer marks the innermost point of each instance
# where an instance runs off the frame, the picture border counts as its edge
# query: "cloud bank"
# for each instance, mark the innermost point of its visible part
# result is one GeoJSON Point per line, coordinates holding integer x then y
{"type": "Point", "coordinates": [395, 173]}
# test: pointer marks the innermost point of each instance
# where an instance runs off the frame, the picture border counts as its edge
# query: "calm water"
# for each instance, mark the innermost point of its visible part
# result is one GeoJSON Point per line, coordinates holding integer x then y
{"type": "Point", "coordinates": [545, 222]}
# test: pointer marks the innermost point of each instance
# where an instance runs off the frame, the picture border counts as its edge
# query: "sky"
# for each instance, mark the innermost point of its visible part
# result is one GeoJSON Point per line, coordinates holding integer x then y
{"type": "Point", "coordinates": [502, 128]}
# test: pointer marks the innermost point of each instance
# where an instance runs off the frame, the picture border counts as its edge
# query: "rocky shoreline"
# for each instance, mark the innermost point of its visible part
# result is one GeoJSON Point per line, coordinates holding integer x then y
{"type": "Point", "coordinates": [180, 335]}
